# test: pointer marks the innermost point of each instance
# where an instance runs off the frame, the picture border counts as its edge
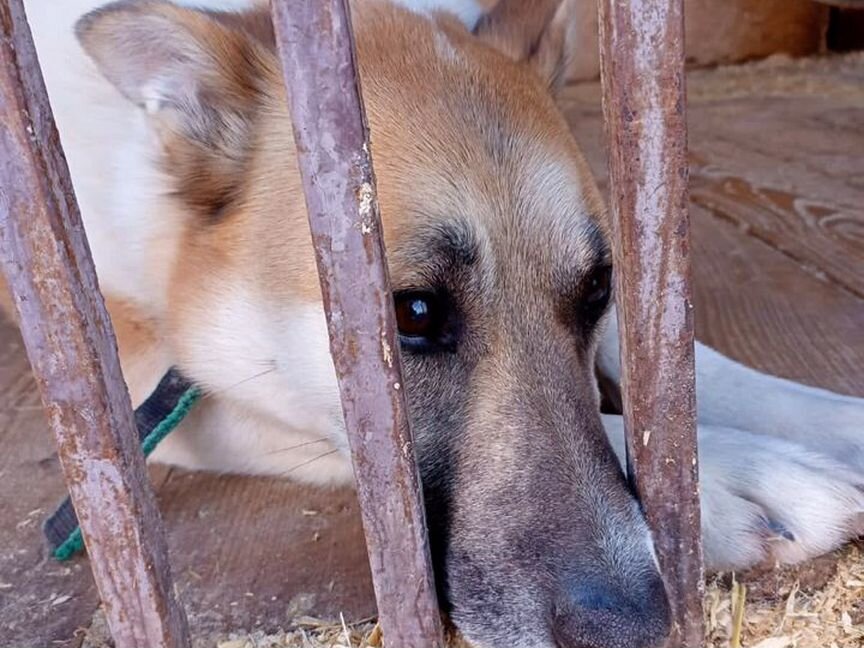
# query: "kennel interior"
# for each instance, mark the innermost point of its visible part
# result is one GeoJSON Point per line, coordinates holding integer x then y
{"type": "Point", "coordinates": [774, 156]}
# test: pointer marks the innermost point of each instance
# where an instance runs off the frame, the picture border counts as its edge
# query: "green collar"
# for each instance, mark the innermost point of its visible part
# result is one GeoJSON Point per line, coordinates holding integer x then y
{"type": "Point", "coordinates": [169, 404]}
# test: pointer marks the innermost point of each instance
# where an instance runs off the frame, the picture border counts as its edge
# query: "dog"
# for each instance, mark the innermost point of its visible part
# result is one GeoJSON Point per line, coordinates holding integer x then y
{"type": "Point", "coordinates": [176, 130]}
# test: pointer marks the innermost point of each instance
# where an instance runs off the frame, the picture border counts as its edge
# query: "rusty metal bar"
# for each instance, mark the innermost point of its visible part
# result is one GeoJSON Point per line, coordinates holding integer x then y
{"type": "Point", "coordinates": [72, 350]}
{"type": "Point", "coordinates": [330, 131]}
{"type": "Point", "coordinates": [642, 69]}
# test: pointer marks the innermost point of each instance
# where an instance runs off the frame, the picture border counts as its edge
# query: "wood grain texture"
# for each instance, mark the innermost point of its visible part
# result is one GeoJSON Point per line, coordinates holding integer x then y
{"type": "Point", "coordinates": [332, 138]}
{"type": "Point", "coordinates": [788, 172]}
{"type": "Point", "coordinates": [718, 32]}
{"type": "Point", "coordinates": [245, 553]}
{"type": "Point", "coordinates": [642, 72]}
{"type": "Point", "coordinates": [795, 127]}
{"type": "Point", "coordinates": [760, 307]}
{"type": "Point", "coordinates": [42, 603]}
{"type": "Point", "coordinates": [73, 353]}
{"type": "Point", "coordinates": [229, 535]}
{"type": "Point", "coordinates": [257, 553]}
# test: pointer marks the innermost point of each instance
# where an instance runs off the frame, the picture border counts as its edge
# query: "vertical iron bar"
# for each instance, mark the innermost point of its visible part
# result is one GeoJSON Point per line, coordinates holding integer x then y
{"type": "Point", "coordinates": [71, 346]}
{"type": "Point", "coordinates": [330, 131]}
{"type": "Point", "coordinates": [642, 69]}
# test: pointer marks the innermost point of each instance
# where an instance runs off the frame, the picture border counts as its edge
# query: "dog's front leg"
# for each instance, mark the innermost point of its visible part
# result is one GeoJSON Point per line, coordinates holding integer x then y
{"type": "Point", "coordinates": [731, 395]}
{"type": "Point", "coordinates": [767, 499]}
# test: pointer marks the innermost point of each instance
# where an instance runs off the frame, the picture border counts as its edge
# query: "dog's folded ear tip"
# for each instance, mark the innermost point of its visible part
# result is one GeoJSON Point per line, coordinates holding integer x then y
{"type": "Point", "coordinates": [538, 32]}
{"type": "Point", "coordinates": [113, 18]}
{"type": "Point", "coordinates": [151, 50]}
{"type": "Point", "coordinates": [85, 24]}
{"type": "Point", "coordinates": [88, 26]}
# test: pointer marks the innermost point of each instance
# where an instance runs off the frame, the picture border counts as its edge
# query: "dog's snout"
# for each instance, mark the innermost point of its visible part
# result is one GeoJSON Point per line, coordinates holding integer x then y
{"type": "Point", "coordinates": [593, 613]}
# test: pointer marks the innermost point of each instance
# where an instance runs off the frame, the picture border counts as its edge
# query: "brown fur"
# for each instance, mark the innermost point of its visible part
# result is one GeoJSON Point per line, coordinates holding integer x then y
{"type": "Point", "coordinates": [485, 200]}
{"type": "Point", "coordinates": [493, 225]}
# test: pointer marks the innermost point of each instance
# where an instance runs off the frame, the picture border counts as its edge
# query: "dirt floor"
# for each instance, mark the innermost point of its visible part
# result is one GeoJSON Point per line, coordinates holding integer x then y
{"type": "Point", "coordinates": [820, 605]}
{"type": "Point", "coordinates": [777, 152]}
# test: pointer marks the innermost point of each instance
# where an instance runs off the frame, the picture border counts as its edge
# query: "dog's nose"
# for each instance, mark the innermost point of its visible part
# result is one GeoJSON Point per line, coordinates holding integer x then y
{"type": "Point", "coordinates": [598, 614]}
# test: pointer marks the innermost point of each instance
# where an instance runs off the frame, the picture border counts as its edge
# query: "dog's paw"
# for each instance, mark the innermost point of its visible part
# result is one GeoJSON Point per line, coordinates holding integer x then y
{"type": "Point", "coordinates": [771, 500]}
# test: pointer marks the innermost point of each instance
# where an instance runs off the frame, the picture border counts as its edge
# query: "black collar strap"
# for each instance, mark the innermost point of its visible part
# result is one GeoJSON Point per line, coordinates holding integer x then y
{"type": "Point", "coordinates": [155, 419]}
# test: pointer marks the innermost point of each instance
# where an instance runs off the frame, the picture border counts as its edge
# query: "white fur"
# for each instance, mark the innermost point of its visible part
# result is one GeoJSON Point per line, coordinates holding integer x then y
{"type": "Point", "coordinates": [748, 480]}
{"type": "Point", "coordinates": [769, 449]}
{"type": "Point", "coordinates": [110, 149]}
{"type": "Point", "coordinates": [468, 11]}
{"type": "Point", "coordinates": [798, 461]}
{"type": "Point", "coordinates": [277, 363]}
{"type": "Point", "coordinates": [222, 435]}
{"type": "Point", "coordinates": [731, 395]}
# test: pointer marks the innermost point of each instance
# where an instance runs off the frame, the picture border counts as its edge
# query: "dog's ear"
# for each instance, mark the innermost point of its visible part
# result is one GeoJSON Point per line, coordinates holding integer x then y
{"type": "Point", "coordinates": [164, 57]}
{"type": "Point", "coordinates": [200, 77]}
{"type": "Point", "coordinates": [539, 32]}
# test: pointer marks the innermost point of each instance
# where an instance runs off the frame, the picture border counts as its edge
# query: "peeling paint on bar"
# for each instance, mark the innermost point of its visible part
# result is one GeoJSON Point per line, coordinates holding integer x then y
{"type": "Point", "coordinates": [642, 66]}
{"type": "Point", "coordinates": [317, 50]}
{"type": "Point", "coordinates": [71, 346]}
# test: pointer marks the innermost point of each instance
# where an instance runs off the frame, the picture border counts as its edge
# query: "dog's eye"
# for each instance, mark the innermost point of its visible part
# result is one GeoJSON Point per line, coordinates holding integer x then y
{"type": "Point", "coordinates": [421, 317]}
{"type": "Point", "coordinates": [597, 290]}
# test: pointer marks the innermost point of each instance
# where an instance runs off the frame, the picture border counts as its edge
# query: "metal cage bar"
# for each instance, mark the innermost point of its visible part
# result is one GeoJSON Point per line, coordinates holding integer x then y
{"type": "Point", "coordinates": [71, 346]}
{"type": "Point", "coordinates": [319, 64]}
{"type": "Point", "coordinates": [642, 70]}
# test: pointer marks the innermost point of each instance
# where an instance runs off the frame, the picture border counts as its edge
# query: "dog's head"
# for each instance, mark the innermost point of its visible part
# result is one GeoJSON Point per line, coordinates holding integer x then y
{"type": "Point", "coordinates": [500, 267]}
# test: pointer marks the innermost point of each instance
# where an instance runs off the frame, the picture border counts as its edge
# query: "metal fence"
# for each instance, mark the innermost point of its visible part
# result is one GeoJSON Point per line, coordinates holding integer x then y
{"type": "Point", "coordinates": [47, 263]}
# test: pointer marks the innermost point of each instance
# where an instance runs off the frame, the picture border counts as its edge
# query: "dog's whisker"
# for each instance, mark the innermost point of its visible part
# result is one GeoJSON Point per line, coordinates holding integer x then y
{"type": "Point", "coordinates": [296, 446]}
{"type": "Point", "coordinates": [309, 461]}
{"type": "Point", "coordinates": [268, 362]}
{"type": "Point", "coordinates": [260, 374]}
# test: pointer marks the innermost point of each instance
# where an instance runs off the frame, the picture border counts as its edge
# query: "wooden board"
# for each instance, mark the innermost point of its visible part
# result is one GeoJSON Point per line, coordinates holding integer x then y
{"type": "Point", "coordinates": [297, 550]}
{"type": "Point", "coordinates": [255, 553]}
{"type": "Point", "coordinates": [41, 601]}
{"type": "Point", "coordinates": [756, 302]}
{"type": "Point", "coordinates": [777, 268]}
{"type": "Point", "coordinates": [718, 32]}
